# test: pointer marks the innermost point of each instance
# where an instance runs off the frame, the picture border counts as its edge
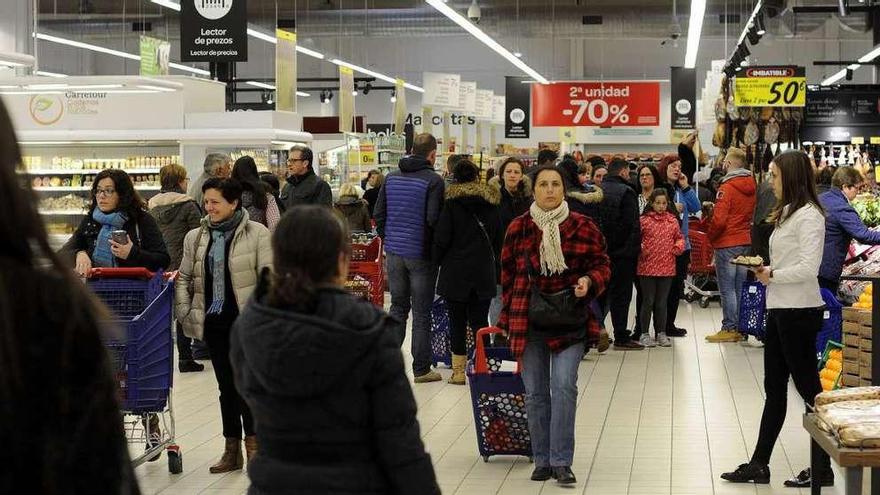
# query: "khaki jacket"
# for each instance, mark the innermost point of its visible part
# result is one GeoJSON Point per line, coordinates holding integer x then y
{"type": "Point", "coordinates": [249, 253]}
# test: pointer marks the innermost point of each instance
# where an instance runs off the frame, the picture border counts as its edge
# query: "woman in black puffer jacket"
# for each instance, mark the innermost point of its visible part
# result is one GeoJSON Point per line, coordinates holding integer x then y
{"type": "Point", "coordinates": [323, 375]}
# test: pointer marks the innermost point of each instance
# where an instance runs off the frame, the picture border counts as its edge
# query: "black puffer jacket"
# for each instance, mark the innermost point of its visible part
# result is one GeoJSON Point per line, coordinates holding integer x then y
{"type": "Point", "coordinates": [513, 205]}
{"type": "Point", "coordinates": [149, 249]}
{"type": "Point", "coordinates": [620, 212]}
{"type": "Point", "coordinates": [334, 410]}
{"type": "Point", "coordinates": [175, 214]}
{"type": "Point", "coordinates": [464, 252]}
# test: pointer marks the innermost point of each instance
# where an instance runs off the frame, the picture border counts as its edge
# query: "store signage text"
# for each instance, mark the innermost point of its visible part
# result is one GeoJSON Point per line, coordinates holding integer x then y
{"type": "Point", "coordinates": [455, 119]}
{"type": "Point", "coordinates": [213, 31]}
{"type": "Point", "coordinates": [771, 87]}
{"type": "Point", "coordinates": [596, 104]}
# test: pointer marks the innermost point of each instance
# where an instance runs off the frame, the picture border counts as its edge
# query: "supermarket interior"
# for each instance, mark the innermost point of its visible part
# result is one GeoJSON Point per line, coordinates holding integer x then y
{"type": "Point", "coordinates": [440, 246]}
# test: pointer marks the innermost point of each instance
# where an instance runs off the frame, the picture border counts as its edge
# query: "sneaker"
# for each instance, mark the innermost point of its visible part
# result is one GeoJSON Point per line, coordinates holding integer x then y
{"type": "Point", "coordinates": [676, 332]}
{"type": "Point", "coordinates": [724, 336]}
{"type": "Point", "coordinates": [604, 342]}
{"type": "Point", "coordinates": [748, 473]}
{"type": "Point", "coordinates": [628, 345]}
{"type": "Point", "coordinates": [663, 340]}
{"type": "Point", "coordinates": [431, 376]}
{"type": "Point", "coordinates": [647, 341]}
{"type": "Point", "coordinates": [803, 480]}
{"type": "Point", "coordinates": [190, 366]}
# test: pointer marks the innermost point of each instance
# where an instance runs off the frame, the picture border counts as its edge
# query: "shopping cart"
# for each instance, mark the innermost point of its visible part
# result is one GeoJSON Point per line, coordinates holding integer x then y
{"type": "Point", "coordinates": [701, 271]}
{"type": "Point", "coordinates": [141, 351]}
{"type": "Point", "coordinates": [441, 346]}
{"type": "Point", "coordinates": [499, 401]}
{"type": "Point", "coordinates": [366, 272]}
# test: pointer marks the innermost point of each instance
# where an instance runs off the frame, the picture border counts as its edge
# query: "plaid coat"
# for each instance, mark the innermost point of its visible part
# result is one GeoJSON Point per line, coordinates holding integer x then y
{"type": "Point", "coordinates": [585, 255]}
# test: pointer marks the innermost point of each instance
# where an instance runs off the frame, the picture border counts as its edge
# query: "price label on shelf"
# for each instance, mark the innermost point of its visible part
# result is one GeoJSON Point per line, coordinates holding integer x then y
{"type": "Point", "coordinates": [596, 104]}
{"type": "Point", "coordinates": [771, 87]}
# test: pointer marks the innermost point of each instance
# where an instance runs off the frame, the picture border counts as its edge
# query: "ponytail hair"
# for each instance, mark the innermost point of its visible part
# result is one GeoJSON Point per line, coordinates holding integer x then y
{"type": "Point", "coordinates": [301, 268]}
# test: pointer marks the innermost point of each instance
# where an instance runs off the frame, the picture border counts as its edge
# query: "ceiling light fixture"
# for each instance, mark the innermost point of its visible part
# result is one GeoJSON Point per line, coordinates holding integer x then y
{"type": "Point", "coordinates": [759, 24]}
{"type": "Point", "coordinates": [393, 96]}
{"type": "Point", "coordinates": [487, 40]}
{"type": "Point", "coordinates": [260, 84]}
{"type": "Point", "coordinates": [847, 72]}
{"type": "Point", "coordinates": [256, 33]}
{"type": "Point", "coordinates": [695, 30]}
{"type": "Point", "coordinates": [377, 75]}
{"type": "Point", "coordinates": [834, 78]}
{"type": "Point", "coordinates": [49, 74]}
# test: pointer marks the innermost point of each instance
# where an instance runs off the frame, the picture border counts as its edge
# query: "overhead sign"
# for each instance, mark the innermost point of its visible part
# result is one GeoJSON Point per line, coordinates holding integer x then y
{"type": "Point", "coordinates": [842, 114]}
{"type": "Point", "coordinates": [684, 98]}
{"type": "Point", "coordinates": [213, 30]}
{"type": "Point", "coordinates": [94, 110]}
{"type": "Point", "coordinates": [596, 104]}
{"type": "Point", "coordinates": [155, 56]}
{"type": "Point", "coordinates": [771, 86]}
{"type": "Point", "coordinates": [441, 90]}
{"type": "Point", "coordinates": [467, 102]}
{"type": "Point", "coordinates": [346, 99]}
{"type": "Point", "coordinates": [485, 101]}
{"type": "Point", "coordinates": [497, 109]}
{"type": "Point", "coordinates": [285, 70]}
{"type": "Point", "coordinates": [517, 108]}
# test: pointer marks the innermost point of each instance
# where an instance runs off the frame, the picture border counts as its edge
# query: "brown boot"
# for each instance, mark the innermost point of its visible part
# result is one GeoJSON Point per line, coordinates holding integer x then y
{"type": "Point", "coordinates": [231, 459]}
{"type": "Point", "coordinates": [250, 447]}
{"type": "Point", "coordinates": [458, 365]}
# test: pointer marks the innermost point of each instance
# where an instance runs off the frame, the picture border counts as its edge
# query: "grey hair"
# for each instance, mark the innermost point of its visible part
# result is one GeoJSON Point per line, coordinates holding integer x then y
{"type": "Point", "coordinates": [214, 161]}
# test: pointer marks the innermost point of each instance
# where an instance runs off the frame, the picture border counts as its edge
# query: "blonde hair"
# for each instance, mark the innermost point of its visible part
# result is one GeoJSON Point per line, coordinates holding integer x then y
{"type": "Point", "coordinates": [348, 189]}
{"type": "Point", "coordinates": [738, 155]}
{"type": "Point", "coordinates": [170, 176]}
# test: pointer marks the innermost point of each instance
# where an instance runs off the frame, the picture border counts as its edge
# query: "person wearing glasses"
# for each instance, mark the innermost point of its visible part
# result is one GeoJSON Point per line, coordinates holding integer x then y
{"type": "Point", "coordinates": [116, 206]}
{"type": "Point", "coordinates": [304, 187]}
{"type": "Point", "coordinates": [842, 225]}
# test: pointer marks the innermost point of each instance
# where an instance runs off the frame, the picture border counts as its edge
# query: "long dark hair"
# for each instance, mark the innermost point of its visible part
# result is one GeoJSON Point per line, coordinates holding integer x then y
{"type": "Point", "coordinates": [798, 185]}
{"type": "Point", "coordinates": [656, 193]}
{"type": "Point", "coordinates": [659, 182]}
{"type": "Point", "coordinates": [245, 172]}
{"type": "Point", "coordinates": [301, 268]}
{"type": "Point", "coordinates": [130, 202]}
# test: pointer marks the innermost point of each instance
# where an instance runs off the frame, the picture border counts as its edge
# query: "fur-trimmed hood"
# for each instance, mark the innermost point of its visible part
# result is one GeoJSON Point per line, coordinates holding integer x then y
{"type": "Point", "coordinates": [525, 190]}
{"type": "Point", "coordinates": [485, 192]}
{"type": "Point", "coordinates": [586, 197]}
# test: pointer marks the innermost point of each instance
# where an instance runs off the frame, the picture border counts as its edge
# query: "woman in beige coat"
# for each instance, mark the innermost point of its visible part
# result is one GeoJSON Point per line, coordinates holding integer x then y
{"type": "Point", "coordinates": [222, 261]}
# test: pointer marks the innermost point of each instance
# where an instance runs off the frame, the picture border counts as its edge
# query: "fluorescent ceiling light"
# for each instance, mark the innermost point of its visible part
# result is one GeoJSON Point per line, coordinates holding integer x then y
{"type": "Point", "coordinates": [853, 66]}
{"type": "Point", "coordinates": [377, 75]}
{"type": "Point", "coordinates": [48, 74]}
{"type": "Point", "coordinates": [260, 85]}
{"type": "Point", "coordinates": [870, 56]}
{"type": "Point", "coordinates": [156, 88]}
{"type": "Point", "coordinates": [836, 77]}
{"type": "Point", "coordinates": [485, 38]}
{"type": "Point", "coordinates": [43, 87]}
{"type": "Point", "coordinates": [194, 70]}
{"type": "Point", "coordinates": [311, 53]}
{"type": "Point", "coordinates": [256, 33]}
{"type": "Point", "coordinates": [167, 3]}
{"type": "Point", "coordinates": [695, 30]}
{"type": "Point", "coordinates": [303, 94]}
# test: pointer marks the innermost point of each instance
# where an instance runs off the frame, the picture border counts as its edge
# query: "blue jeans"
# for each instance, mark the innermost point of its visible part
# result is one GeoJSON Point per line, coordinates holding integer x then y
{"type": "Point", "coordinates": [411, 282]}
{"type": "Point", "coordinates": [495, 307]}
{"type": "Point", "coordinates": [730, 281]}
{"type": "Point", "coordinates": [551, 401]}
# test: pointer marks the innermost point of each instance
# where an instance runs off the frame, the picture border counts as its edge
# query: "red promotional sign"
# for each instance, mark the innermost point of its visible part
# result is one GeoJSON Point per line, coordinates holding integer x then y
{"type": "Point", "coordinates": [596, 104]}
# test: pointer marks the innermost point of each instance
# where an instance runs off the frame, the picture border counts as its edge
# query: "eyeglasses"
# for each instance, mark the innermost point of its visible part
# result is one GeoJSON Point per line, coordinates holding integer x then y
{"type": "Point", "coordinates": [105, 192]}
{"type": "Point", "coordinates": [294, 160]}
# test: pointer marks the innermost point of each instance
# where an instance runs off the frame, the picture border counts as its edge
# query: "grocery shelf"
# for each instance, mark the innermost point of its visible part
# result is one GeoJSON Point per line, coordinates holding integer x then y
{"type": "Point", "coordinates": [66, 171]}
{"type": "Point", "coordinates": [87, 188]}
{"type": "Point", "coordinates": [63, 212]}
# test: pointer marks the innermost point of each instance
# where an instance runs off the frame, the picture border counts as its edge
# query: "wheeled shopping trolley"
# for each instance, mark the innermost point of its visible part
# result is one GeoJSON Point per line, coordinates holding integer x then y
{"type": "Point", "coordinates": [366, 272]}
{"type": "Point", "coordinates": [701, 271]}
{"type": "Point", "coordinates": [141, 350]}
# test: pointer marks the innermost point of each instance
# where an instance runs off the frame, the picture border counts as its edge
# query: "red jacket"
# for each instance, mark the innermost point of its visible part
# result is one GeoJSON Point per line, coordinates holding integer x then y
{"type": "Point", "coordinates": [584, 249]}
{"type": "Point", "coordinates": [661, 243]}
{"type": "Point", "coordinates": [731, 221]}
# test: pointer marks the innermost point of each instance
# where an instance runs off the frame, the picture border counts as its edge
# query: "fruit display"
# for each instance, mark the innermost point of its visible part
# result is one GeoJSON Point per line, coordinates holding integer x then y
{"type": "Point", "coordinates": [866, 299]}
{"type": "Point", "coordinates": [829, 375]}
{"type": "Point", "coordinates": [868, 208]}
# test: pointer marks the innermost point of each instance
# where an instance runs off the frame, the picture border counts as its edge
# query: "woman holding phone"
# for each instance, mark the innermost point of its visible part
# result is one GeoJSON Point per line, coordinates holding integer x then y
{"type": "Point", "coordinates": [118, 231]}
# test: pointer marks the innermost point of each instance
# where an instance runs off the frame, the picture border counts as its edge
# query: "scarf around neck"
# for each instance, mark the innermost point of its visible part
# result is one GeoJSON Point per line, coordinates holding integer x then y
{"type": "Point", "coordinates": [102, 256]}
{"type": "Point", "coordinates": [552, 259]}
{"type": "Point", "coordinates": [221, 235]}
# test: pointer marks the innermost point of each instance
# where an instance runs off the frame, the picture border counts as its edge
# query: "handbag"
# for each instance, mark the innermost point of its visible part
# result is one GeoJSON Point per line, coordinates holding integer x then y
{"type": "Point", "coordinates": [554, 314]}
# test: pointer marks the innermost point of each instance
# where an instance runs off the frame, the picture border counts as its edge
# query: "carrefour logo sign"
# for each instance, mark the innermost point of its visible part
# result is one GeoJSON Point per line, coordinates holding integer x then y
{"type": "Point", "coordinates": [46, 109]}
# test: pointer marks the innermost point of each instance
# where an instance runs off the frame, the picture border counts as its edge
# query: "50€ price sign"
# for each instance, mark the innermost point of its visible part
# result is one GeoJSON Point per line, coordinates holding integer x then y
{"type": "Point", "coordinates": [771, 87]}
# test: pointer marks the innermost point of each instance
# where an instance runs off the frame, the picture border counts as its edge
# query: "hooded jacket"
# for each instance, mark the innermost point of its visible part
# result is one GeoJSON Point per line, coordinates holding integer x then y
{"type": "Point", "coordinates": [328, 389]}
{"type": "Point", "coordinates": [306, 189]}
{"type": "Point", "coordinates": [249, 252]}
{"type": "Point", "coordinates": [175, 214]}
{"type": "Point", "coordinates": [620, 211]}
{"type": "Point", "coordinates": [842, 225]}
{"type": "Point", "coordinates": [513, 205]}
{"type": "Point", "coordinates": [468, 254]}
{"type": "Point", "coordinates": [586, 202]}
{"type": "Point", "coordinates": [408, 208]}
{"type": "Point", "coordinates": [148, 250]}
{"type": "Point", "coordinates": [356, 212]}
{"type": "Point", "coordinates": [730, 223]}
{"type": "Point", "coordinates": [662, 241]}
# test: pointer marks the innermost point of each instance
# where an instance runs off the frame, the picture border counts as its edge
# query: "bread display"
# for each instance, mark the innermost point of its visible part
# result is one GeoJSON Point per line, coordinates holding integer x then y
{"type": "Point", "coordinates": [837, 415]}
{"type": "Point", "coordinates": [848, 394]}
{"type": "Point", "coordinates": [860, 435]}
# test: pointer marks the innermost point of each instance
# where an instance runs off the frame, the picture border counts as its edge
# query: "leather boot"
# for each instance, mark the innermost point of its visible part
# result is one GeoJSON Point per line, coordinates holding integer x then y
{"type": "Point", "coordinates": [458, 364]}
{"type": "Point", "coordinates": [231, 459]}
{"type": "Point", "coordinates": [250, 447]}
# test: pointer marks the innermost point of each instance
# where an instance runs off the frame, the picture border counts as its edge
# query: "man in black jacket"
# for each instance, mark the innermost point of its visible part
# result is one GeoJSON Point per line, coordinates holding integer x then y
{"type": "Point", "coordinates": [304, 187]}
{"type": "Point", "coordinates": [623, 237]}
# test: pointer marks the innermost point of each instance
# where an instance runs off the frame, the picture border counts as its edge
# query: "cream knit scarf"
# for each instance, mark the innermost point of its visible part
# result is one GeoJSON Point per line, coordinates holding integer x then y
{"type": "Point", "coordinates": [552, 259]}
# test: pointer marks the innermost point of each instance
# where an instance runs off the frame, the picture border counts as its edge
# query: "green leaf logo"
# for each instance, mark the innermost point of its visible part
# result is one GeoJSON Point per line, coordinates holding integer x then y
{"type": "Point", "coordinates": [43, 104]}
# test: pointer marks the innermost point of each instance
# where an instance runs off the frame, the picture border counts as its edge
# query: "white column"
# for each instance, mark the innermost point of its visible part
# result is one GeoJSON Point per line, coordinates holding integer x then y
{"type": "Point", "coordinates": [16, 25]}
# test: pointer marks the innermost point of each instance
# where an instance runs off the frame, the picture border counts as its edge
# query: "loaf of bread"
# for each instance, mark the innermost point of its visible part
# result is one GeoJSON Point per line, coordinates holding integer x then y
{"type": "Point", "coordinates": [836, 415]}
{"type": "Point", "coordinates": [847, 394]}
{"type": "Point", "coordinates": [864, 435]}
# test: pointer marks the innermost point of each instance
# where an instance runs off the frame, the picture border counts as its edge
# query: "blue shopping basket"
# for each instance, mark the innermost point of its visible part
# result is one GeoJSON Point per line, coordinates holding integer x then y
{"type": "Point", "coordinates": [140, 306]}
{"type": "Point", "coordinates": [753, 309]}
{"type": "Point", "coordinates": [832, 322]}
{"type": "Point", "coordinates": [499, 401]}
{"type": "Point", "coordinates": [440, 333]}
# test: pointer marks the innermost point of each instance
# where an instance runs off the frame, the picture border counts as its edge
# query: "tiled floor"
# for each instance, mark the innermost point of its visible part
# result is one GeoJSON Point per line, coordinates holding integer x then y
{"type": "Point", "coordinates": [664, 421]}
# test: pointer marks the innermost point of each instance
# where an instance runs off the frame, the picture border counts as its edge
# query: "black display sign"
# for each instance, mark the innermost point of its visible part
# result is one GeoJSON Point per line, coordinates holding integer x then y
{"type": "Point", "coordinates": [684, 98]}
{"type": "Point", "coordinates": [213, 30]}
{"type": "Point", "coordinates": [838, 114]}
{"type": "Point", "coordinates": [517, 108]}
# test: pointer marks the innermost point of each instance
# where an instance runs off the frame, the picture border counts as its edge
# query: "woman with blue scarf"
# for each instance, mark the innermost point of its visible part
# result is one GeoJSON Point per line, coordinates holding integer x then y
{"type": "Point", "coordinates": [222, 261]}
{"type": "Point", "coordinates": [116, 206]}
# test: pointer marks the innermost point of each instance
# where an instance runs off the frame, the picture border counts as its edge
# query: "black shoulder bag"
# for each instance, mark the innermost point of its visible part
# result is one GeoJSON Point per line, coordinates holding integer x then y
{"type": "Point", "coordinates": [556, 314]}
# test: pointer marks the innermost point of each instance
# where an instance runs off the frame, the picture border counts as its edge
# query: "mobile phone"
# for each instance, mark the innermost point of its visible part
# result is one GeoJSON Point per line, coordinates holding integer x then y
{"type": "Point", "coordinates": [119, 236]}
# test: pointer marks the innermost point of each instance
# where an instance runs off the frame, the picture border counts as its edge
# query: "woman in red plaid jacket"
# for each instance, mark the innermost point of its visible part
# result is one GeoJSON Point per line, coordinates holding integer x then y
{"type": "Point", "coordinates": [564, 251]}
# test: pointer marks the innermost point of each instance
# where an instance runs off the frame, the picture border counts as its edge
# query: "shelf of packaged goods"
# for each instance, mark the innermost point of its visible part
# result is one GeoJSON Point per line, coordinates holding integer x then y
{"type": "Point", "coordinates": [86, 188]}
{"type": "Point", "coordinates": [65, 171]}
{"type": "Point", "coordinates": [63, 212]}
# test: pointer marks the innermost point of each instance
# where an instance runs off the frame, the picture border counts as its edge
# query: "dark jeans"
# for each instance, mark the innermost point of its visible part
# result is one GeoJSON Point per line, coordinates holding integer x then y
{"type": "Point", "coordinates": [412, 282]}
{"type": "Point", "coordinates": [617, 298]}
{"type": "Point", "coordinates": [462, 315]}
{"type": "Point", "coordinates": [831, 285]}
{"type": "Point", "coordinates": [789, 350]}
{"type": "Point", "coordinates": [655, 291]}
{"type": "Point", "coordinates": [184, 345]}
{"type": "Point", "coordinates": [681, 270]}
{"type": "Point", "coordinates": [235, 413]}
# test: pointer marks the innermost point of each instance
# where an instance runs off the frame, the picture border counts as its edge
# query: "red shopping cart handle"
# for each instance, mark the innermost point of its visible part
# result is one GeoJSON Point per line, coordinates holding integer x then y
{"type": "Point", "coordinates": [481, 364]}
{"type": "Point", "coordinates": [133, 272]}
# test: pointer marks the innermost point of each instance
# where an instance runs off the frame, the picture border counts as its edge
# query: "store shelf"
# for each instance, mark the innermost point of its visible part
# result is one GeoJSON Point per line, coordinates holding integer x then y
{"type": "Point", "coordinates": [64, 171]}
{"type": "Point", "coordinates": [63, 212]}
{"type": "Point", "coordinates": [87, 188]}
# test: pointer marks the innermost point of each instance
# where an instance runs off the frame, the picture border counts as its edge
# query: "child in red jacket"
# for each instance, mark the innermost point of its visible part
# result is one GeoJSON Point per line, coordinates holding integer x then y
{"type": "Point", "coordinates": [661, 243]}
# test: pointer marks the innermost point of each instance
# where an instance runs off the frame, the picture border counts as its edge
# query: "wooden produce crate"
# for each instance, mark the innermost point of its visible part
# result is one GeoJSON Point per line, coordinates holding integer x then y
{"type": "Point", "coordinates": [852, 339]}
{"type": "Point", "coordinates": [850, 380]}
{"type": "Point", "coordinates": [851, 314]}
{"type": "Point", "coordinates": [852, 328]}
{"type": "Point", "coordinates": [851, 367]}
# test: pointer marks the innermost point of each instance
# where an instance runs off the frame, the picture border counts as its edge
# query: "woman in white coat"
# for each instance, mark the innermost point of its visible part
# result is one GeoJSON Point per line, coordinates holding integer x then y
{"type": "Point", "coordinates": [222, 261]}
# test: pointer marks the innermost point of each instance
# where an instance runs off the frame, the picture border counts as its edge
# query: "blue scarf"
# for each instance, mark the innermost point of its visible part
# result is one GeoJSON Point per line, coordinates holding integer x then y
{"type": "Point", "coordinates": [221, 234]}
{"type": "Point", "coordinates": [102, 256]}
